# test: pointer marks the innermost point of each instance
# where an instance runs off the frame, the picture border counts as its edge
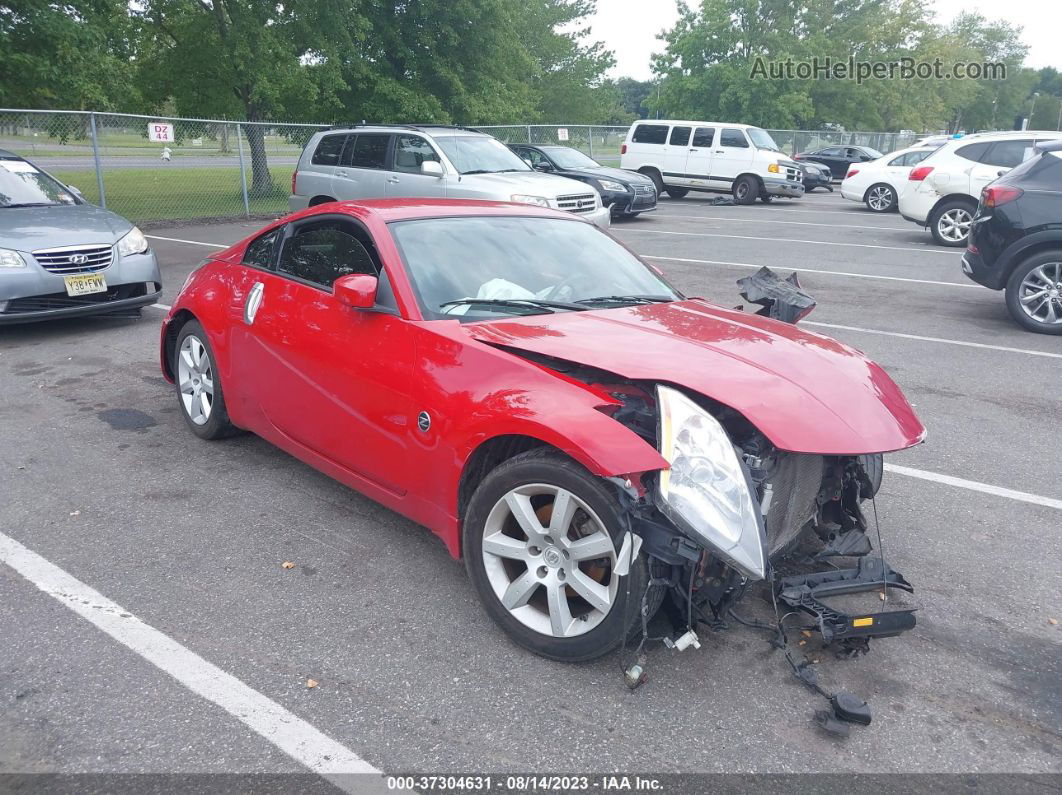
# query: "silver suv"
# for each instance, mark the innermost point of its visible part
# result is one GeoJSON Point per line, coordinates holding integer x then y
{"type": "Point", "coordinates": [376, 161]}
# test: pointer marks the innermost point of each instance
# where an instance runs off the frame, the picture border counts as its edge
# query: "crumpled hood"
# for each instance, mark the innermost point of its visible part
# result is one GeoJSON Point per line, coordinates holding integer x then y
{"type": "Point", "coordinates": [32, 228]}
{"type": "Point", "coordinates": [807, 393]}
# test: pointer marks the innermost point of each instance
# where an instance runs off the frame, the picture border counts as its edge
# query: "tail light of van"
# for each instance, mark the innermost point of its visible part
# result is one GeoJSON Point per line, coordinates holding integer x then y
{"type": "Point", "coordinates": [920, 173]}
{"type": "Point", "coordinates": [294, 177]}
{"type": "Point", "coordinates": [623, 149]}
{"type": "Point", "coordinates": [995, 195]}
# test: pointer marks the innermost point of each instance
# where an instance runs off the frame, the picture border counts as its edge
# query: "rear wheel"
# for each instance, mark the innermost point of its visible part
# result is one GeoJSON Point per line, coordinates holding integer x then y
{"type": "Point", "coordinates": [198, 384]}
{"type": "Point", "coordinates": [766, 198]}
{"type": "Point", "coordinates": [1034, 293]}
{"type": "Point", "coordinates": [880, 198]}
{"type": "Point", "coordinates": [676, 193]}
{"type": "Point", "coordinates": [746, 189]}
{"type": "Point", "coordinates": [950, 223]}
{"type": "Point", "coordinates": [541, 542]}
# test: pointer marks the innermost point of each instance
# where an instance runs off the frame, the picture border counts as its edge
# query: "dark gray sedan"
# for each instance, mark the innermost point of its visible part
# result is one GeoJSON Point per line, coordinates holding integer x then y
{"type": "Point", "coordinates": [61, 256]}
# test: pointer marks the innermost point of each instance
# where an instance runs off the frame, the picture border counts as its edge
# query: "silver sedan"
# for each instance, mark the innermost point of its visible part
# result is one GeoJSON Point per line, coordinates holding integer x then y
{"type": "Point", "coordinates": [61, 256]}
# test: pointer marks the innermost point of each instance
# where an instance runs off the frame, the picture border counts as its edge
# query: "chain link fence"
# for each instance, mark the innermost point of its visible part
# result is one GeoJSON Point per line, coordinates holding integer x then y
{"type": "Point", "coordinates": [154, 168]}
{"type": "Point", "coordinates": [160, 169]}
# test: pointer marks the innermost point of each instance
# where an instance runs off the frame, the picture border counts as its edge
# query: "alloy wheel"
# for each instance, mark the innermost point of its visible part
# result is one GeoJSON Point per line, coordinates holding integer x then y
{"type": "Point", "coordinates": [550, 560]}
{"type": "Point", "coordinates": [880, 198]}
{"type": "Point", "coordinates": [954, 225]}
{"type": "Point", "coordinates": [1040, 294]}
{"type": "Point", "coordinates": [195, 377]}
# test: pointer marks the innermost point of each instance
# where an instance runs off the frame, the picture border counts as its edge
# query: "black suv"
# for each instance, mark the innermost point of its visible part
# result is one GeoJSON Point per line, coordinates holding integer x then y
{"type": "Point", "coordinates": [1016, 240]}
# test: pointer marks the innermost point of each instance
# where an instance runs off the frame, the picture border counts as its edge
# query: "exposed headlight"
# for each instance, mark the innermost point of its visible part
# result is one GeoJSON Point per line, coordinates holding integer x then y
{"type": "Point", "coordinates": [706, 492]}
{"type": "Point", "coordinates": [11, 259]}
{"type": "Point", "coordinates": [134, 242]}
{"type": "Point", "coordinates": [615, 187]}
{"type": "Point", "coordinates": [521, 198]}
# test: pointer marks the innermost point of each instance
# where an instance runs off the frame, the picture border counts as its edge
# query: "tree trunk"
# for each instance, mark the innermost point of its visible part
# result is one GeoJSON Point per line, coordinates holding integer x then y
{"type": "Point", "coordinates": [261, 179]}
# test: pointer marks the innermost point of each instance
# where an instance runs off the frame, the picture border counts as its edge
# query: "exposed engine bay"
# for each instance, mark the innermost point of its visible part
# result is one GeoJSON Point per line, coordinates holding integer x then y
{"type": "Point", "coordinates": [700, 572]}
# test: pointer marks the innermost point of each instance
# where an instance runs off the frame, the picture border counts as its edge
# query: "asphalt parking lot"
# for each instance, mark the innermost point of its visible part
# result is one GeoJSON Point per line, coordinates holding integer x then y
{"type": "Point", "coordinates": [100, 478]}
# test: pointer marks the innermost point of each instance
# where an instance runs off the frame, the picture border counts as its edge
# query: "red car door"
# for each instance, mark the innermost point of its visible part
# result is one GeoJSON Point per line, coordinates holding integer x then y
{"type": "Point", "coordinates": [327, 378]}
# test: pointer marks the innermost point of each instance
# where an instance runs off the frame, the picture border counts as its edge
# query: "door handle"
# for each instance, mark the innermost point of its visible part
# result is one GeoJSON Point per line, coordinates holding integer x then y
{"type": "Point", "coordinates": [254, 301]}
{"type": "Point", "coordinates": [720, 152]}
{"type": "Point", "coordinates": [693, 150]}
{"type": "Point", "coordinates": [341, 173]}
{"type": "Point", "coordinates": [393, 180]}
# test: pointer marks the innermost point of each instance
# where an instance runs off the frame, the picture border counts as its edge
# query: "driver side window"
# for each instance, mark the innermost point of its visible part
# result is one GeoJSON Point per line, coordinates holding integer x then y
{"type": "Point", "coordinates": [322, 251]}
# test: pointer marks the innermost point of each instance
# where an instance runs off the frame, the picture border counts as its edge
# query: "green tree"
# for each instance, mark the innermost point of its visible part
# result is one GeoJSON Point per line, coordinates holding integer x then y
{"type": "Point", "coordinates": [633, 95]}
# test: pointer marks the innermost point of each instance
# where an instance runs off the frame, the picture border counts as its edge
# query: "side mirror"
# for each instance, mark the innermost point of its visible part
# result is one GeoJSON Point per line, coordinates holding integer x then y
{"type": "Point", "coordinates": [75, 191]}
{"type": "Point", "coordinates": [543, 166]}
{"type": "Point", "coordinates": [356, 290]}
{"type": "Point", "coordinates": [432, 168]}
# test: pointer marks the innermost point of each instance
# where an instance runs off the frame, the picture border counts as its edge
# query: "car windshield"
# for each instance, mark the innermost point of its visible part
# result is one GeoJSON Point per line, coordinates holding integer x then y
{"type": "Point", "coordinates": [23, 185]}
{"type": "Point", "coordinates": [519, 265]}
{"type": "Point", "coordinates": [566, 157]}
{"type": "Point", "coordinates": [479, 154]}
{"type": "Point", "coordinates": [762, 139]}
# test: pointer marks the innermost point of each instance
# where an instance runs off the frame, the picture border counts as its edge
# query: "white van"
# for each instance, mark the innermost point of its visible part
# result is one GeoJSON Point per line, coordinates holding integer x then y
{"type": "Point", "coordinates": [680, 156]}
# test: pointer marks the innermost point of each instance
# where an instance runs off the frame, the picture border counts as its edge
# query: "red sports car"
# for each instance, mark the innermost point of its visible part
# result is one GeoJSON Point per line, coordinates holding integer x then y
{"type": "Point", "coordinates": [588, 439]}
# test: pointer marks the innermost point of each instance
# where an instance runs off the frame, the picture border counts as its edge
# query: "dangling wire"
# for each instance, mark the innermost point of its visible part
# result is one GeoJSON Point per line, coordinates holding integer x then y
{"type": "Point", "coordinates": [881, 556]}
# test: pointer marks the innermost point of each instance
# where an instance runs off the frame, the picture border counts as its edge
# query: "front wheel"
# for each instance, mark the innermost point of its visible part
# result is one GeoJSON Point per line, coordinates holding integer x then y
{"type": "Point", "coordinates": [677, 193]}
{"type": "Point", "coordinates": [950, 223]}
{"type": "Point", "coordinates": [766, 198]}
{"type": "Point", "coordinates": [880, 198]}
{"type": "Point", "coordinates": [198, 384]}
{"type": "Point", "coordinates": [541, 540]}
{"type": "Point", "coordinates": [1034, 293]}
{"type": "Point", "coordinates": [746, 189]}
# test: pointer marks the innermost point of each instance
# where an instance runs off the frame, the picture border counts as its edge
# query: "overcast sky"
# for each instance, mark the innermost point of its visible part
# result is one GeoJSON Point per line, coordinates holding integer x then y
{"type": "Point", "coordinates": [629, 28]}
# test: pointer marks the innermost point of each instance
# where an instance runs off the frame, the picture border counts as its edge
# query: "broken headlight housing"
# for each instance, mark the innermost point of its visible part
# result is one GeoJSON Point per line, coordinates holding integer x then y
{"type": "Point", "coordinates": [706, 491]}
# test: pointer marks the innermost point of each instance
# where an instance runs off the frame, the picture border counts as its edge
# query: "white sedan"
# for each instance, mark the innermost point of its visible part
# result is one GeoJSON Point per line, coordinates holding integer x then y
{"type": "Point", "coordinates": [877, 183]}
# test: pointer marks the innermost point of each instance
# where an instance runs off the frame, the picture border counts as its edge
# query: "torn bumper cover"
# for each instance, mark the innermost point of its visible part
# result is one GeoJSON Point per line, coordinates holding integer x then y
{"type": "Point", "coordinates": [805, 593]}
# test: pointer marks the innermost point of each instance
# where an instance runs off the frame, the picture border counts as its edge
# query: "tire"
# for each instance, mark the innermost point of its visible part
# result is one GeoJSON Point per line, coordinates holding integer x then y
{"type": "Point", "coordinates": [198, 384]}
{"type": "Point", "coordinates": [1030, 278]}
{"type": "Point", "coordinates": [548, 616]}
{"type": "Point", "coordinates": [766, 199]}
{"type": "Point", "coordinates": [654, 175]}
{"type": "Point", "coordinates": [874, 464]}
{"type": "Point", "coordinates": [746, 189]}
{"type": "Point", "coordinates": [880, 198]}
{"type": "Point", "coordinates": [809, 190]}
{"type": "Point", "coordinates": [677, 193]}
{"type": "Point", "coordinates": [949, 220]}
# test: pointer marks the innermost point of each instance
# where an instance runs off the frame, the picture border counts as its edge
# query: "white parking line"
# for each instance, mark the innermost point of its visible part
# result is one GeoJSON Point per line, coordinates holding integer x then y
{"type": "Point", "coordinates": [926, 250]}
{"type": "Point", "coordinates": [288, 732]}
{"type": "Point", "coordinates": [920, 338]}
{"type": "Point", "coordinates": [973, 485]}
{"type": "Point", "coordinates": [814, 270]}
{"type": "Point", "coordinates": [776, 221]}
{"type": "Point", "coordinates": [189, 242]}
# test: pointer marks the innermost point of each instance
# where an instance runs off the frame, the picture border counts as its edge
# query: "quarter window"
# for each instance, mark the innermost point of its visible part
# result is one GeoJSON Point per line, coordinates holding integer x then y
{"type": "Point", "coordinates": [411, 151]}
{"type": "Point", "coordinates": [734, 138]}
{"type": "Point", "coordinates": [260, 251]}
{"type": "Point", "coordinates": [680, 136]}
{"type": "Point", "coordinates": [650, 134]}
{"type": "Point", "coordinates": [329, 150]}
{"type": "Point", "coordinates": [704, 136]}
{"type": "Point", "coordinates": [322, 252]}
{"type": "Point", "coordinates": [369, 151]}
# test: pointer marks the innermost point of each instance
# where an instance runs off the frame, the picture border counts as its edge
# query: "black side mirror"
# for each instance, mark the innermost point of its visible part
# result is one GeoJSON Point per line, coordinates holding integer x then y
{"type": "Point", "coordinates": [544, 166]}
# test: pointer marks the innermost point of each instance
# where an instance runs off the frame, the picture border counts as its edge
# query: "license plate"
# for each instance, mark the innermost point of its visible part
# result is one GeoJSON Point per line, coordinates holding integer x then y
{"type": "Point", "coordinates": [85, 284]}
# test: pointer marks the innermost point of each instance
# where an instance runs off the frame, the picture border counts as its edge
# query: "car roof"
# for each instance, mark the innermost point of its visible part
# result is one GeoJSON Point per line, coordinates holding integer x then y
{"type": "Point", "coordinates": [432, 129]}
{"type": "Point", "coordinates": [695, 123]}
{"type": "Point", "coordinates": [409, 209]}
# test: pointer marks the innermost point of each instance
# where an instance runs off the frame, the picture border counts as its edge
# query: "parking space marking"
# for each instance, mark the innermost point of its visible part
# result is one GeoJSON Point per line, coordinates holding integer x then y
{"type": "Point", "coordinates": [288, 732]}
{"type": "Point", "coordinates": [189, 242]}
{"type": "Point", "coordinates": [973, 485]}
{"type": "Point", "coordinates": [853, 213]}
{"type": "Point", "coordinates": [776, 221]}
{"type": "Point", "coordinates": [963, 343]}
{"type": "Point", "coordinates": [815, 270]}
{"type": "Point", "coordinates": [926, 250]}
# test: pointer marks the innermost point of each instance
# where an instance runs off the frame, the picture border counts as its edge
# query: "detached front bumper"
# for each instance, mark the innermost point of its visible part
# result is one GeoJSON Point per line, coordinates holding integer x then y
{"type": "Point", "coordinates": [783, 187]}
{"type": "Point", "coordinates": [629, 204]}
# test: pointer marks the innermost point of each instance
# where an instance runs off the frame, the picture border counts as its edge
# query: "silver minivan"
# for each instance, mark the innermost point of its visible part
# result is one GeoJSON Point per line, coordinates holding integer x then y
{"type": "Point", "coordinates": [388, 161]}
